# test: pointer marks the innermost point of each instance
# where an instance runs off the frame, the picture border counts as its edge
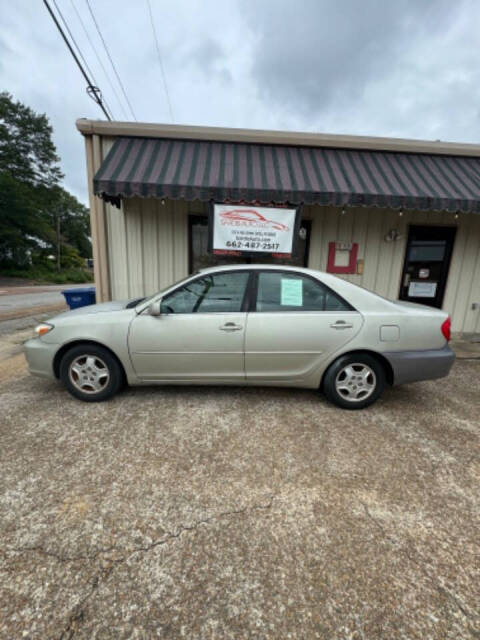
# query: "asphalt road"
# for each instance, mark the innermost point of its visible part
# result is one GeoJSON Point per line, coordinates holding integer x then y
{"type": "Point", "coordinates": [27, 297]}
{"type": "Point", "coordinates": [239, 513]}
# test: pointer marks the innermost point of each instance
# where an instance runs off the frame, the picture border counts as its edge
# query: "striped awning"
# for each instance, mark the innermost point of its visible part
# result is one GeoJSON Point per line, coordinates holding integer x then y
{"type": "Point", "coordinates": [240, 172]}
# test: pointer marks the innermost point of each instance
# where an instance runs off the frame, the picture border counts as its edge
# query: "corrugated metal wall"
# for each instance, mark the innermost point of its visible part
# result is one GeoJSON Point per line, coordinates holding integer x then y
{"type": "Point", "coordinates": [147, 243]}
{"type": "Point", "coordinates": [148, 249]}
{"type": "Point", "coordinates": [147, 246]}
{"type": "Point", "coordinates": [384, 260]}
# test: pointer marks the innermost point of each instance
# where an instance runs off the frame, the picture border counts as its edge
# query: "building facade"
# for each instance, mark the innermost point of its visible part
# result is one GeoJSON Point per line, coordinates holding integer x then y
{"type": "Point", "coordinates": [408, 212]}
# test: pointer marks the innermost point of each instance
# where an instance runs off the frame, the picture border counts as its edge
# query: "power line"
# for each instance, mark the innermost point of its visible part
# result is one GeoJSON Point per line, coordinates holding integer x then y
{"type": "Point", "coordinates": [72, 38]}
{"type": "Point", "coordinates": [110, 58]}
{"type": "Point", "coordinates": [160, 60]}
{"type": "Point", "coordinates": [92, 90]}
{"type": "Point", "coordinates": [107, 75]}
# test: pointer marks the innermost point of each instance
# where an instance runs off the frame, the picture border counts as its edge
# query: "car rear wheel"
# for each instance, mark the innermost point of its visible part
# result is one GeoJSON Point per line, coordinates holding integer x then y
{"type": "Point", "coordinates": [91, 373]}
{"type": "Point", "coordinates": [354, 381]}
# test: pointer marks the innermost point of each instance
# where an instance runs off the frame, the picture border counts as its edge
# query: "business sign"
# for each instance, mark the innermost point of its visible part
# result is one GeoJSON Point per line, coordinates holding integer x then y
{"type": "Point", "coordinates": [248, 229]}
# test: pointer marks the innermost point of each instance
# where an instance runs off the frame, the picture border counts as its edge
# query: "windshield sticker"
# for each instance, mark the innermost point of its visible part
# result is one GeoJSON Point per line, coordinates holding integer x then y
{"type": "Point", "coordinates": [291, 293]}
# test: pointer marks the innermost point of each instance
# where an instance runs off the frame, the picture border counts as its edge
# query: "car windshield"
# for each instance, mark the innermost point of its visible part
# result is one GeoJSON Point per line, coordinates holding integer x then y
{"type": "Point", "coordinates": [170, 286]}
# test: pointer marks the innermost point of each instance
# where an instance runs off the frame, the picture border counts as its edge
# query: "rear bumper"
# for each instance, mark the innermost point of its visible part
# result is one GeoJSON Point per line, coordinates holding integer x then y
{"type": "Point", "coordinates": [40, 357]}
{"type": "Point", "coordinates": [412, 366]}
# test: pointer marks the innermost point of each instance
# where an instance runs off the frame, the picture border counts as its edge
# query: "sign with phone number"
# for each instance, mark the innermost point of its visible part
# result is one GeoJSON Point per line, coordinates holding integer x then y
{"type": "Point", "coordinates": [249, 229]}
{"type": "Point", "coordinates": [252, 246]}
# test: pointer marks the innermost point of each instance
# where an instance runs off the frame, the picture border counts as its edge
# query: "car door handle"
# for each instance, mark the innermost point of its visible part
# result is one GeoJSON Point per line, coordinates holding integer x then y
{"type": "Point", "coordinates": [230, 326]}
{"type": "Point", "coordinates": [341, 324]}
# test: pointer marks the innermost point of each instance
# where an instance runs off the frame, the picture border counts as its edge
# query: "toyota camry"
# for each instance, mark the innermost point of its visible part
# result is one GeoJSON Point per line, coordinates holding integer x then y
{"type": "Point", "coordinates": [247, 325]}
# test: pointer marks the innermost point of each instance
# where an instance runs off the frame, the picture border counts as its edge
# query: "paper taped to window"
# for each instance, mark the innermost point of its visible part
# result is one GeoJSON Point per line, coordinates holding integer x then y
{"type": "Point", "coordinates": [291, 293]}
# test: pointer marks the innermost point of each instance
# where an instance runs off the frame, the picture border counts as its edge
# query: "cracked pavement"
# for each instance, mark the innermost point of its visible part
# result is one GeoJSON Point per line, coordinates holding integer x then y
{"type": "Point", "coordinates": [183, 512]}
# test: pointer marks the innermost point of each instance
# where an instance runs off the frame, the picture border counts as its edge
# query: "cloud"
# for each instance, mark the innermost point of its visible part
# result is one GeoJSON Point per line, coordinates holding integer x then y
{"type": "Point", "coordinates": [407, 68]}
{"type": "Point", "coordinates": [209, 58]}
{"type": "Point", "coordinates": [313, 55]}
{"type": "Point", "coordinates": [4, 51]}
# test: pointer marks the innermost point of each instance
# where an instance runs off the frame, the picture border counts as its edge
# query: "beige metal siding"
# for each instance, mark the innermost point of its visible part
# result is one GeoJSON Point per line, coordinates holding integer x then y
{"type": "Point", "coordinates": [148, 249]}
{"type": "Point", "coordinates": [463, 286]}
{"type": "Point", "coordinates": [147, 246]}
{"type": "Point", "coordinates": [384, 260]}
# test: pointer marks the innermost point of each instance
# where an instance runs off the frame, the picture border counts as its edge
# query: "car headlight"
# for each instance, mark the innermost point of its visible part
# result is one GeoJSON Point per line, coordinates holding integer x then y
{"type": "Point", "coordinates": [42, 329]}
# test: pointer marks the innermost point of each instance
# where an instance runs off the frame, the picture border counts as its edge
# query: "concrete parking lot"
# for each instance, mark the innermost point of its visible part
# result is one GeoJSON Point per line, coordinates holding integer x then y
{"type": "Point", "coordinates": [239, 513]}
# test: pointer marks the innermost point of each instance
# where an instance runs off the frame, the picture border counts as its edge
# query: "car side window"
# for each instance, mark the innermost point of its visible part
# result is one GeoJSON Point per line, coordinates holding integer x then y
{"type": "Point", "coordinates": [214, 293]}
{"type": "Point", "coordinates": [285, 291]}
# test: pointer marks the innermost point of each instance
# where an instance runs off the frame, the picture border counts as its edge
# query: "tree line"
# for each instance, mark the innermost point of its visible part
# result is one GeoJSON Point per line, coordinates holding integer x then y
{"type": "Point", "coordinates": [44, 229]}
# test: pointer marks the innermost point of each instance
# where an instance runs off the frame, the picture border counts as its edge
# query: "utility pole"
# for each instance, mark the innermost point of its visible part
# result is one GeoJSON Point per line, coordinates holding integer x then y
{"type": "Point", "coordinates": [58, 241]}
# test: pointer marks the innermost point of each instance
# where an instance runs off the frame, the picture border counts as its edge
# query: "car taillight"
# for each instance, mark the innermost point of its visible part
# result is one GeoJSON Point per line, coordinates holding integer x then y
{"type": "Point", "coordinates": [446, 329]}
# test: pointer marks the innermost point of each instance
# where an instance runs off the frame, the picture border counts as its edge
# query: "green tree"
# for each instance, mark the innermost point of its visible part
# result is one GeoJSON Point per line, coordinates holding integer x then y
{"type": "Point", "coordinates": [27, 151]}
{"type": "Point", "coordinates": [31, 198]}
{"type": "Point", "coordinates": [70, 220]}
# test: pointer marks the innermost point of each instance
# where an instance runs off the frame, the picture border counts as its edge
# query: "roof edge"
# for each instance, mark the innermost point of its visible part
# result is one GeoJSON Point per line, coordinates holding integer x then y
{"type": "Point", "coordinates": [260, 136]}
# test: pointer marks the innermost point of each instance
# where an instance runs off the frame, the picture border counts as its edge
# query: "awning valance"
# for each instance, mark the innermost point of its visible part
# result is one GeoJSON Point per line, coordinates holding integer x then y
{"type": "Point", "coordinates": [223, 171]}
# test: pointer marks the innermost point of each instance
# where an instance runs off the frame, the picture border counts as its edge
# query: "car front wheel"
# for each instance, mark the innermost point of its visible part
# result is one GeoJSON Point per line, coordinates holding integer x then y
{"type": "Point", "coordinates": [354, 381]}
{"type": "Point", "coordinates": [91, 373]}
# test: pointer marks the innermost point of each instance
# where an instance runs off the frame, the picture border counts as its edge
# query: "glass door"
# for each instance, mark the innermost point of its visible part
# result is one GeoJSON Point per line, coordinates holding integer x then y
{"type": "Point", "coordinates": [427, 261]}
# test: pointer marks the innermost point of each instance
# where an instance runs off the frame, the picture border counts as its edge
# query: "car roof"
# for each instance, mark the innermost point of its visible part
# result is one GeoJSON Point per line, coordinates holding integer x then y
{"type": "Point", "coordinates": [233, 267]}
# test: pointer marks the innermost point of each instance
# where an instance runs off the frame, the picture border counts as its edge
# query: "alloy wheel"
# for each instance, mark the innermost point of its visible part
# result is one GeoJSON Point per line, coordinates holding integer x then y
{"type": "Point", "coordinates": [89, 374]}
{"type": "Point", "coordinates": [355, 382]}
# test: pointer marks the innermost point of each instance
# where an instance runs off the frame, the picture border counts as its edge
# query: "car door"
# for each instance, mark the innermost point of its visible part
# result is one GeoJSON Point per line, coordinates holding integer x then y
{"type": "Point", "coordinates": [199, 334]}
{"type": "Point", "coordinates": [296, 323]}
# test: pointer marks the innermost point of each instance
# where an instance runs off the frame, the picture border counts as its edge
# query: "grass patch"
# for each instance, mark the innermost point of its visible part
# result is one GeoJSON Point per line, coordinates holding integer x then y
{"type": "Point", "coordinates": [47, 276]}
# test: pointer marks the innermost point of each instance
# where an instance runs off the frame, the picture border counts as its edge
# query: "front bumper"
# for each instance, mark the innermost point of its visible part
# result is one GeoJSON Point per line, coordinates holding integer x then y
{"type": "Point", "coordinates": [412, 366]}
{"type": "Point", "coordinates": [40, 356]}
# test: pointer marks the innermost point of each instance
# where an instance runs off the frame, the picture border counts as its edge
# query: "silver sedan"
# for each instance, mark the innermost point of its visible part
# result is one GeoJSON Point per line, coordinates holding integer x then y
{"type": "Point", "coordinates": [247, 325]}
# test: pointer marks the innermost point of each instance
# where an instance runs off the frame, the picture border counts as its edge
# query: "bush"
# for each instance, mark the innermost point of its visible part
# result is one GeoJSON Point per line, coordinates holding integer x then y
{"type": "Point", "coordinates": [45, 259]}
{"type": "Point", "coordinates": [42, 274]}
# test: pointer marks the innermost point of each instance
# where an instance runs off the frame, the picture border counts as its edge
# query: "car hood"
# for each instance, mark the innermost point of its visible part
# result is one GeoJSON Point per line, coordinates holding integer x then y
{"type": "Point", "coordinates": [114, 305]}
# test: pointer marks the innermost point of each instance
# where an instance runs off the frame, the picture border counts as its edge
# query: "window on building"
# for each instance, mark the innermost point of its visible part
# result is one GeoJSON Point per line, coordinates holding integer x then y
{"type": "Point", "coordinates": [283, 291]}
{"type": "Point", "coordinates": [200, 258]}
{"type": "Point", "coordinates": [214, 293]}
{"type": "Point", "coordinates": [427, 250]}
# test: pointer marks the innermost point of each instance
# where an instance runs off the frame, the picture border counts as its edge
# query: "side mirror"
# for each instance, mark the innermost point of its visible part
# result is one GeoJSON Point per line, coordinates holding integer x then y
{"type": "Point", "coordinates": [154, 308]}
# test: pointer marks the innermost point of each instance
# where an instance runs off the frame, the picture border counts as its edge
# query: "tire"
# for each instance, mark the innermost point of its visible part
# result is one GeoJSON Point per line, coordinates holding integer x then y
{"type": "Point", "coordinates": [354, 381]}
{"type": "Point", "coordinates": [91, 373]}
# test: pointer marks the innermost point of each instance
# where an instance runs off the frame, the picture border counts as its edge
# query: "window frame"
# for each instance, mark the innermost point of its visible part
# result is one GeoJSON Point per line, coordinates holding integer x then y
{"type": "Point", "coordinates": [254, 295]}
{"type": "Point", "coordinates": [246, 301]}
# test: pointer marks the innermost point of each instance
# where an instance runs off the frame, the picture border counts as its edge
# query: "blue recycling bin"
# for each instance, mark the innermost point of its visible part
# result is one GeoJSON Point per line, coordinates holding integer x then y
{"type": "Point", "coordinates": [79, 297]}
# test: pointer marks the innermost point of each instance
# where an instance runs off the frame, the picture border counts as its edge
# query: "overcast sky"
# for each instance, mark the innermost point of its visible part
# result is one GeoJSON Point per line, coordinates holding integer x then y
{"type": "Point", "coordinates": [405, 68]}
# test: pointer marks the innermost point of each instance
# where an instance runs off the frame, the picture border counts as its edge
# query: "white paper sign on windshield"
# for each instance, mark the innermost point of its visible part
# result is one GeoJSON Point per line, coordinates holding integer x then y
{"type": "Point", "coordinates": [252, 229]}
